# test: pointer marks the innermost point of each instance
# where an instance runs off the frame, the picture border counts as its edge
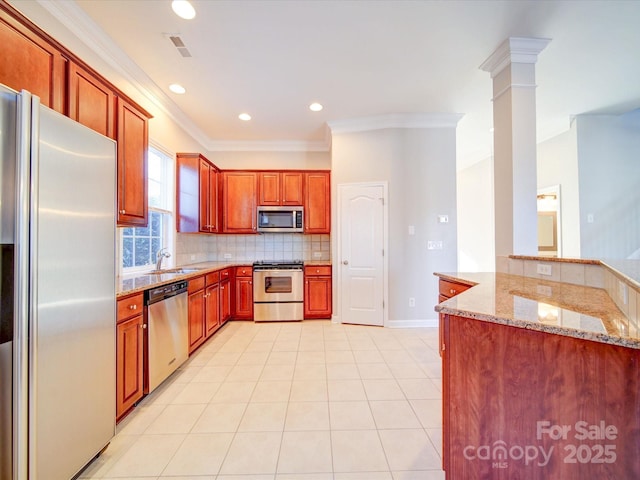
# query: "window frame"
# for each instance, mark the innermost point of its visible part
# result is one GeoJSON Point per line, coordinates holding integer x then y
{"type": "Point", "coordinates": [168, 233]}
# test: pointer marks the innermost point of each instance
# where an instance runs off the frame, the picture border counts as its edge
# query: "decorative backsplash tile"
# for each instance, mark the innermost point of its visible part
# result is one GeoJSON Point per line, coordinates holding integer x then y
{"type": "Point", "coordinates": [239, 248]}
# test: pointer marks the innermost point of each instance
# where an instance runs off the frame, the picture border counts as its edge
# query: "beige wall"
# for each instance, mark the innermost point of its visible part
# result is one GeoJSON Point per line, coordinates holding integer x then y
{"type": "Point", "coordinates": [419, 166]}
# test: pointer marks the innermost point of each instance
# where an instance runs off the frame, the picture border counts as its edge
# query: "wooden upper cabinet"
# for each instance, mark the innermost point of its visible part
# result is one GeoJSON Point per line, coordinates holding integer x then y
{"type": "Point", "coordinates": [30, 62]}
{"type": "Point", "coordinates": [91, 101]}
{"type": "Point", "coordinates": [292, 188]}
{"type": "Point", "coordinates": [239, 201]}
{"type": "Point", "coordinates": [196, 194]}
{"type": "Point", "coordinates": [133, 140]}
{"type": "Point", "coordinates": [317, 202]}
{"type": "Point", "coordinates": [280, 188]}
{"type": "Point", "coordinates": [208, 197]}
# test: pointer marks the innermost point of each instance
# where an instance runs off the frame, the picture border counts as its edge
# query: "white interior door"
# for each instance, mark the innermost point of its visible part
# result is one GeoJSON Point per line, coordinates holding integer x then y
{"type": "Point", "coordinates": [361, 267]}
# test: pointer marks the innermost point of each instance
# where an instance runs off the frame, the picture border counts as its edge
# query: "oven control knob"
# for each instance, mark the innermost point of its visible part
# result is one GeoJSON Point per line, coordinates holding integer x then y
{"type": "Point", "coordinates": [345, 262]}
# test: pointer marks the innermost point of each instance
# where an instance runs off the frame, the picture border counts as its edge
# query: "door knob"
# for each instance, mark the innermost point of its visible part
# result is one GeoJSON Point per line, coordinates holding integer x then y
{"type": "Point", "coordinates": [345, 262]}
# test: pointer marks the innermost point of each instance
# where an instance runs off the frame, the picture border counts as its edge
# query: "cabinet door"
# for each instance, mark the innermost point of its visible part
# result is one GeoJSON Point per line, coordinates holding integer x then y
{"type": "Point", "coordinates": [129, 362]}
{"type": "Point", "coordinates": [187, 192]}
{"type": "Point", "coordinates": [225, 301]}
{"type": "Point", "coordinates": [269, 188]}
{"type": "Point", "coordinates": [133, 139]}
{"type": "Point", "coordinates": [212, 200]}
{"type": "Point", "coordinates": [244, 298]}
{"type": "Point", "coordinates": [196, 319]}
{"type": "Point", "coordinates": [317, 204]}
{"type": "Point", "coordinates": [91, 101]}
{"type": "Point", "coordinates": [212, 308]}
{"type": "Point", "coordinates": [317, 297]}
{"type": "Point", "coordinates": [31, 63]}
{"type": "Point", "coordinates": [292, 188]}
{"type": "Point", "coordinates": [239, 191]}
{"type": "Point", "coordinates": [205, 194]}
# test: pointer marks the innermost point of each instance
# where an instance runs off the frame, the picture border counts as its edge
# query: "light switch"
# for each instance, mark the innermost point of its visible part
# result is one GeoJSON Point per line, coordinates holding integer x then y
{"type": "Point", "coordinates": [443, 218]}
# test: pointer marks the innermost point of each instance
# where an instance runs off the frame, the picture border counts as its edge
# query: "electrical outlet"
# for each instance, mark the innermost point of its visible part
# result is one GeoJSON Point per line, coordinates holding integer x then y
{"type": "Point", "coordinates": [434, 244]}
{"type": "Point", "coordinates": [543, 269]}
{"type": "Point", "coordinates": [412, 302]}
{"type": "Point", "coordinates": [193, 257]}
{"type": "Point", "coordinates": [412, 229]}
{"type": "Point", "coordinates": [544, 290]}
{"type": "Point", "coordinates": [317, 254]}
{"type": "Point", "coordinates": [589, 217]}
{"type": "Point", "coordinates": [228, 256]}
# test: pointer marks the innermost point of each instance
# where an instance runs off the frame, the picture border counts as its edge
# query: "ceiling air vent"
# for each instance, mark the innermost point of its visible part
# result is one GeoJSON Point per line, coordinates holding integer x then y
{"type": "Point", "coordinates": [179, 44]}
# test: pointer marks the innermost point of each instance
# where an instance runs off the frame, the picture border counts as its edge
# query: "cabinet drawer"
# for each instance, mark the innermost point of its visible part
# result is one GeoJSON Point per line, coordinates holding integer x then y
{"type": "Point", "coordinates": [225, 274]}
{"type": "Point", "coordinates": [244, 271]}
{"type": "Point", "coordinates": [130, 306]}
{"type": "Point", "coordinates": [317, 270]}
{"type": "Point", "coordinates": [196, 284]}
{"type": "Point", "coordinates": [451, 289]}
{"type": "Point", "coordinates": [213, 278]}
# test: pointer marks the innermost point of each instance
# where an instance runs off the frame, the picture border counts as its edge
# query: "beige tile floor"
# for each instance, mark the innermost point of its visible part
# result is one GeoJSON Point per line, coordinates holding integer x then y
{"type": "Point", "coordinates": [295, 401]}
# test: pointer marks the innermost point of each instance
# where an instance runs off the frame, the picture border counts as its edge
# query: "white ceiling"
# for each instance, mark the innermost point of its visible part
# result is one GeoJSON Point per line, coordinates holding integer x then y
{"type": "Point", "coordinates": [363, 58]}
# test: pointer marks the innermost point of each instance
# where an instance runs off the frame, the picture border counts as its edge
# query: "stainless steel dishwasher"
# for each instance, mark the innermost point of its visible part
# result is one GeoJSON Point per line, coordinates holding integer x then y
{"type": "Point", "coordinates": [168, 331]}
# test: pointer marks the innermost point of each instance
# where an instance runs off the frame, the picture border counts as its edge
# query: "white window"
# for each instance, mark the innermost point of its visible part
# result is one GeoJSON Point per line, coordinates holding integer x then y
{"type": "Point", "coordinates": [140, 245]}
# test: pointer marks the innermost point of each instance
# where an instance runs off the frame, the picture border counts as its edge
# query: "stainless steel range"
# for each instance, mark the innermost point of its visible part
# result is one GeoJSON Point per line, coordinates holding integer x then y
{"type": "Point", "coordinates": [278, 291]}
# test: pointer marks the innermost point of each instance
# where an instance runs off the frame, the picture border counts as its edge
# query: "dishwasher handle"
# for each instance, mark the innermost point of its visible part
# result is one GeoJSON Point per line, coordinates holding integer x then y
{"type": "Point", "coordinates": [163, 292]}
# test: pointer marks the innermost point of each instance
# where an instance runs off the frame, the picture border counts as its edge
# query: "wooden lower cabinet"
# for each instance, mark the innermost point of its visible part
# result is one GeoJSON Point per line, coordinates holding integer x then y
{"type": "Point", "coordinates": [243, 305]}
{"type": "Point", "coordinates": [225, 300]}
{"type": "Point", "coordinates": [196, 313]}
{"type": "Point", "coordinates": [519, 403]}
{"type": "Point", "coordinates": [317, 292]}
{"type": "Point", "coordinates": [130, 330]}
{"type": "Point", "coordinates": [212, 304]}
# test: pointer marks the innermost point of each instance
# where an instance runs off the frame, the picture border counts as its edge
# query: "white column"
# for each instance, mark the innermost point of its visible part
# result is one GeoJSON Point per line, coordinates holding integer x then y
{"type": "Point", "coordinates": [512, 68]}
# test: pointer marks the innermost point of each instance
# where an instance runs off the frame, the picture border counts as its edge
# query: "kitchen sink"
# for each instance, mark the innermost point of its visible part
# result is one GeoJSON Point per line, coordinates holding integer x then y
{"type": "Point", "coordinates": [173, 270]}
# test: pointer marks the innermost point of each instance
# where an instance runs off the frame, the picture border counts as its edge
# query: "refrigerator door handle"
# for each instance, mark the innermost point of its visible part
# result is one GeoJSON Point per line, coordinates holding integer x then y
{"type": "Point", "coordinates": [21, 291]}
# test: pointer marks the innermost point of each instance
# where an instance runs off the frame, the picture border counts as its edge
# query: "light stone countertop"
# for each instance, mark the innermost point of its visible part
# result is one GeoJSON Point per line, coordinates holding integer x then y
{"type": "Point", "coordinates": [138, 282]}
{"type": "Point", "coordinates": [553, 307]}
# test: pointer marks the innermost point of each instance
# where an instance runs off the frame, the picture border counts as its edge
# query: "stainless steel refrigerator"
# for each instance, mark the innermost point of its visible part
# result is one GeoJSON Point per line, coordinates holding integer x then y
{"type": "Point", "coordinates": [57, 331]}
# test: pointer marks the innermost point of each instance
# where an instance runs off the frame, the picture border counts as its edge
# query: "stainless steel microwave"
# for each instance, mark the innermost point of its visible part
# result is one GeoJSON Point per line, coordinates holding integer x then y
{"type": "Point", "coordinates": [280, 219]}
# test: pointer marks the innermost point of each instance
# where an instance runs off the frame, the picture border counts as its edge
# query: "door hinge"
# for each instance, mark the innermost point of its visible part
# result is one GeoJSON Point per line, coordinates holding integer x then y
{"type": "Point", "coordinates": [383, 252]}
{"type": "Point", "coordinates": [381, 200]}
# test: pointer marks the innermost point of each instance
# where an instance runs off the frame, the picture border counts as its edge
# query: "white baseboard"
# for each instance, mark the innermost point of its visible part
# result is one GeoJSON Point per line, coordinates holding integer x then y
{"type": "Point", "coordinates": [420, 323]}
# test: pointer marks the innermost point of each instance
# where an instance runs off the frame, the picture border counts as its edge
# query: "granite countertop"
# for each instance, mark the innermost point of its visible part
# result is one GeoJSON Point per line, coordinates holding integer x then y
{"type": "Point", "coordinates": [553, 307]}
{"type": "Point", "coordinates": [135, 283]}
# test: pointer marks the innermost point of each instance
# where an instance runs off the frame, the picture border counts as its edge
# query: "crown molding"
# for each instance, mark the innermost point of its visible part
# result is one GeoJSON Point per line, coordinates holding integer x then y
{"type": "Point", "coordinates": [514, 50]}
{"type": "Point", "coordinates": [267, 146]}
{"type": "Point", "coordinates": [71, 16]}
{"type": "Point", "coordinates": [396, 120]}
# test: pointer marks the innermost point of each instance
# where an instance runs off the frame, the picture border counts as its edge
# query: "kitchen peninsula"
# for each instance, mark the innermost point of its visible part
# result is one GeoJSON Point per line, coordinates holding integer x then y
{"type": "Point", "coordinates": [541, 378]}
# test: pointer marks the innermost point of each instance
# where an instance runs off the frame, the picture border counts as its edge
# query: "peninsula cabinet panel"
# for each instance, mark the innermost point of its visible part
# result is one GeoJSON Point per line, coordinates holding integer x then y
{"type": "Point", "coordinates": [571, 405]}
{"type": "Point", "coordinates": [133, 140]}
{"type": "Point", "coordinates": [239, 201]}
{"type": "Point", "coordinates": [317, 202]}
{"type": "Point", "coordinates": [31, 63]}
{"type": "Point", "coordinates": [91, 101]}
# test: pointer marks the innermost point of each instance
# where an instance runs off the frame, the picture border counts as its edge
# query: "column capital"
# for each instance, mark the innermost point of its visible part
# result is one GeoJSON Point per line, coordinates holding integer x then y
{"type": "Point", "coordinates": [514, 50]}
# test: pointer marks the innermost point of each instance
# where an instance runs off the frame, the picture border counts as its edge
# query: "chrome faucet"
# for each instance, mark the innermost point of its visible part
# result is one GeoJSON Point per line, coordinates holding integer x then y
{"type": "Point", "coordinates": [162, 253]}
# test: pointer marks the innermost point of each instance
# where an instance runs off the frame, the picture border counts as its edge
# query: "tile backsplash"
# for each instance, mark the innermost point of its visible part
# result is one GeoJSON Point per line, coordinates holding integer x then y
{"type": "Point", "coordinates": [194, 248]}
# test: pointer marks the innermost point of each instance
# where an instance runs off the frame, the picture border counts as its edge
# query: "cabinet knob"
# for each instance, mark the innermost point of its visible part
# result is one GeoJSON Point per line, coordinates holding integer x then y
{"type": "Point", "coordinates": [143, 326]}
{"type": "Point", "coordinates": [133, 307]}
{"type": "Point", "coordinates": [452, 291]}
{"type": "Point", "coordinates": [123, 211]}
{"type": "Point", "coordinates": [318, 270]}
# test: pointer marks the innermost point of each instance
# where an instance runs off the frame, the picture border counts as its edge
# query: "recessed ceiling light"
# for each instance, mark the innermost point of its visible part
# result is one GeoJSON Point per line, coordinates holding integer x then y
{"type": "Point", "coordinates": [183, 9]}
{"type": "Point", "coordinates": [177, 88]}
{"type": "Point", "coordinates": [315, 107]}
{"type": "Point", "coordinates": [244, 117]}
